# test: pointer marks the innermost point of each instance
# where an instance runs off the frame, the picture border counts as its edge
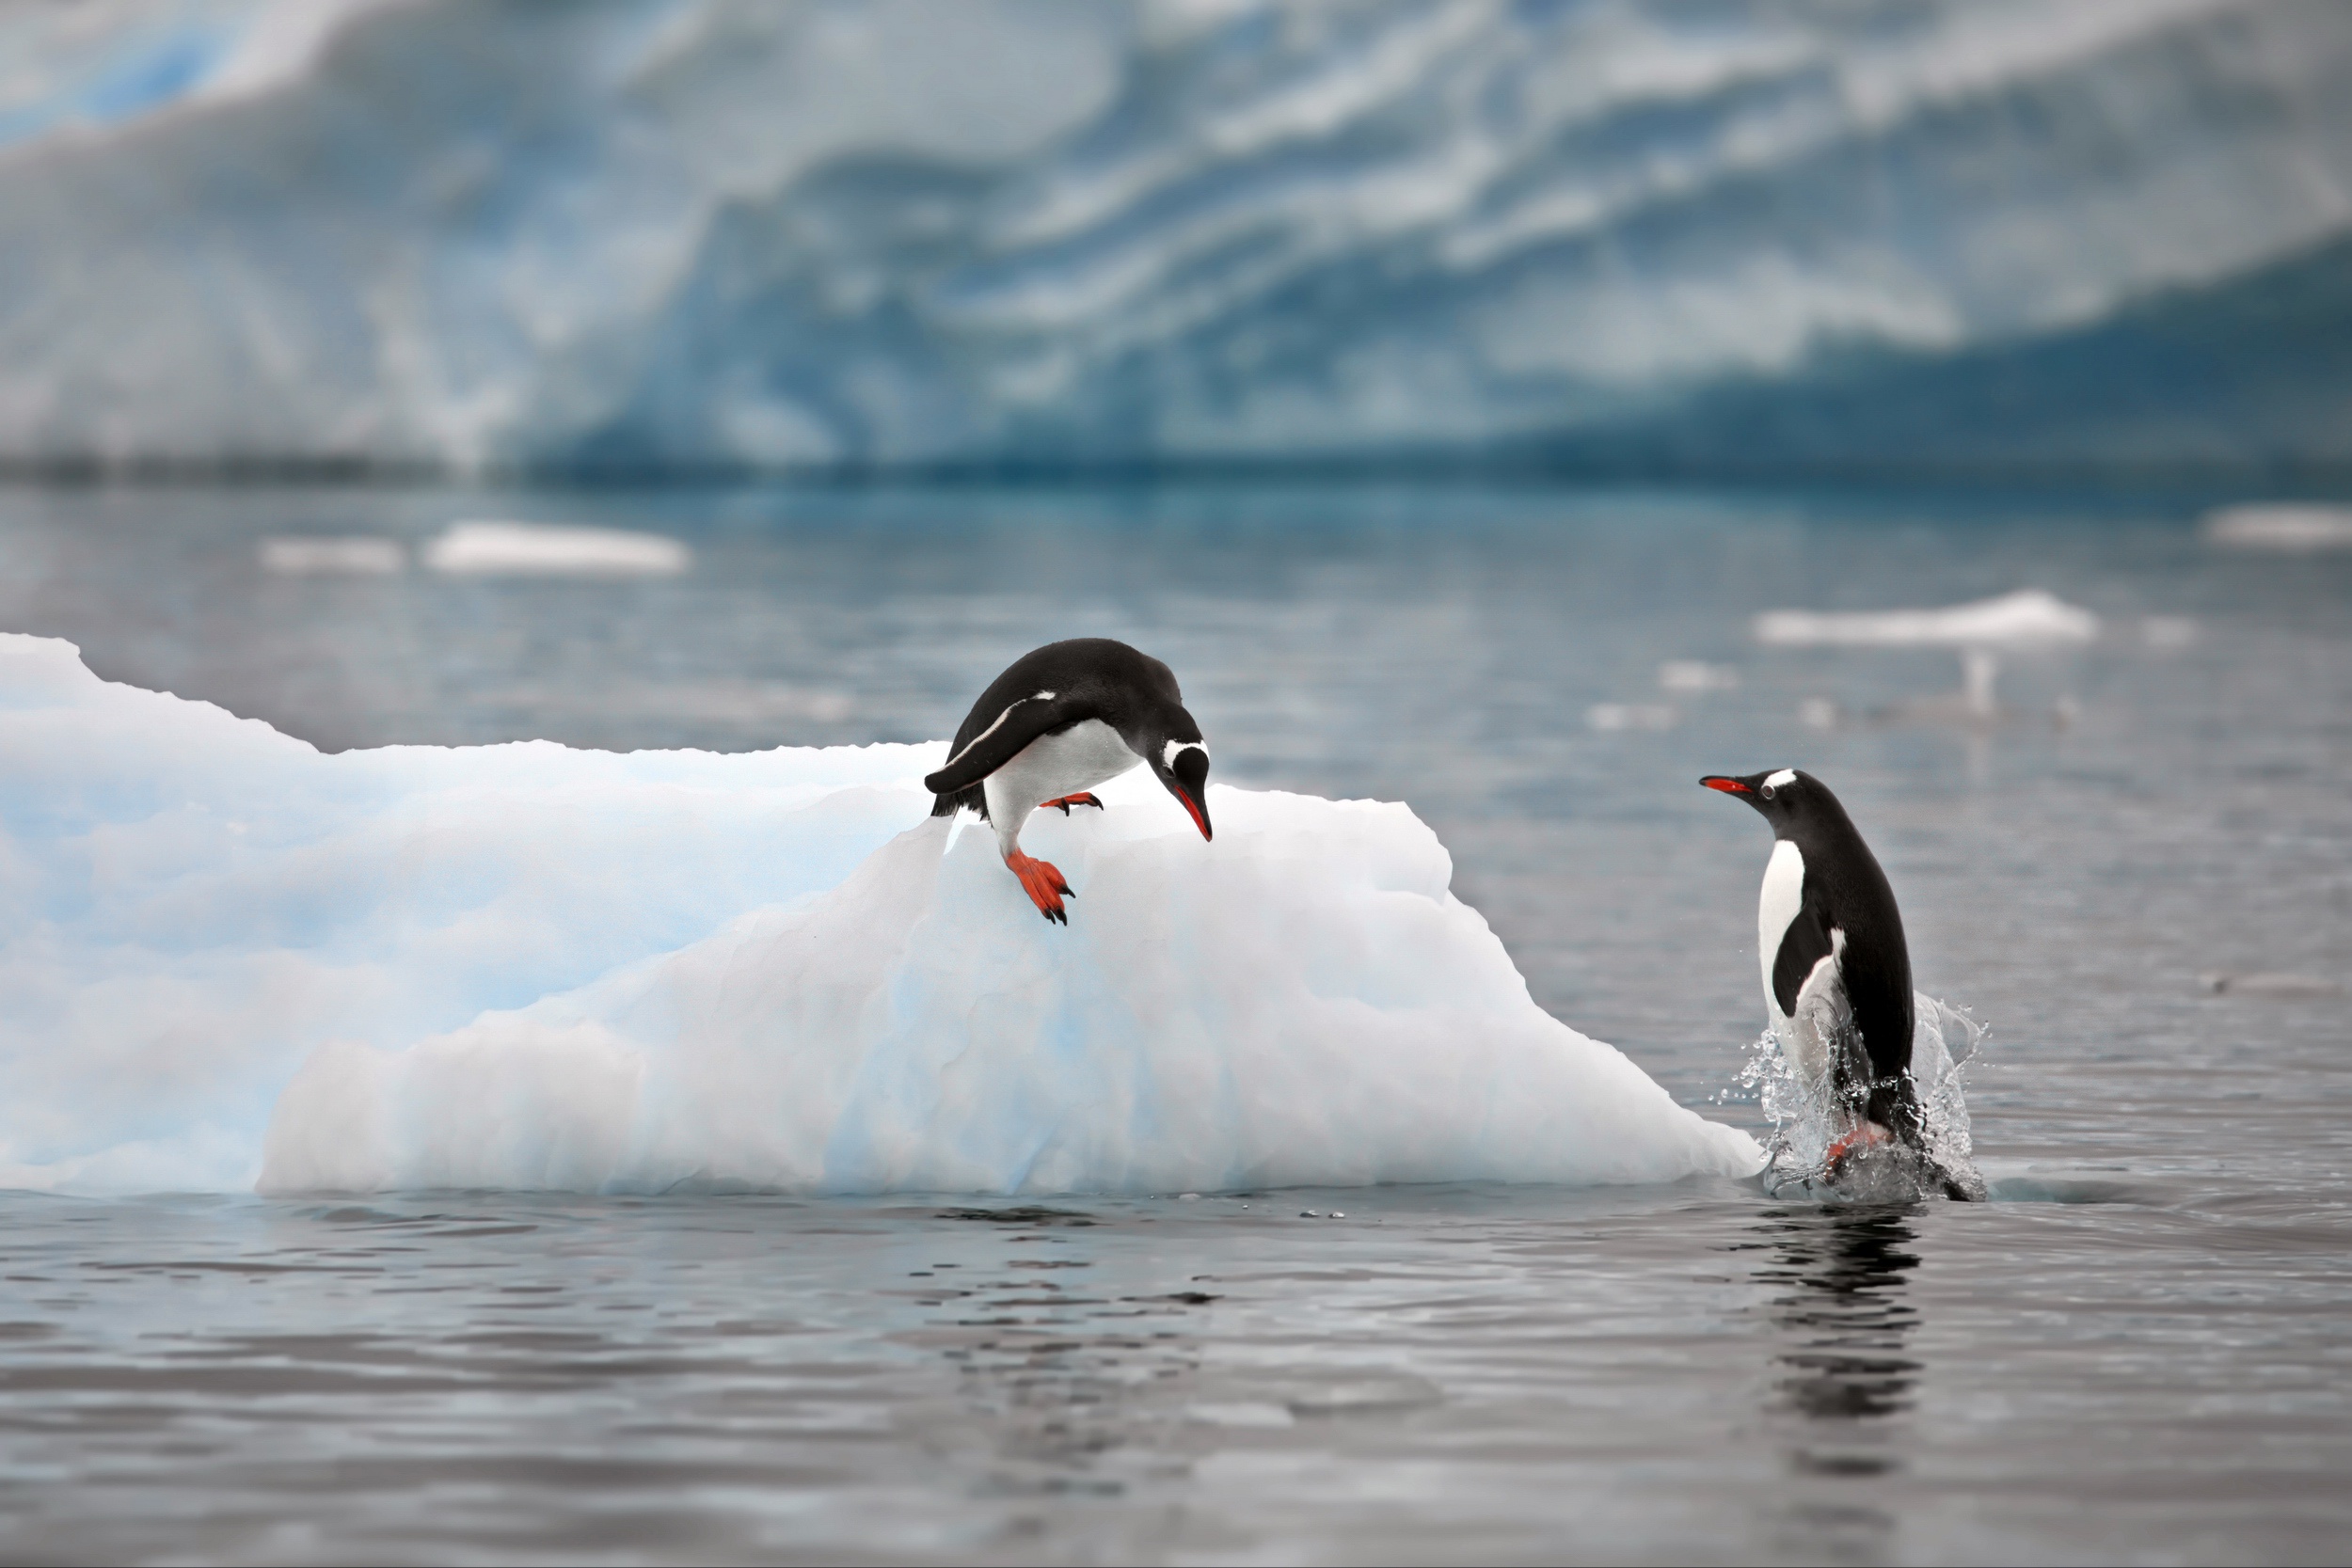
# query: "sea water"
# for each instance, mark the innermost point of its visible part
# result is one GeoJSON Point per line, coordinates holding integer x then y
{"type": "Point", "coordinates": [2128, 859]}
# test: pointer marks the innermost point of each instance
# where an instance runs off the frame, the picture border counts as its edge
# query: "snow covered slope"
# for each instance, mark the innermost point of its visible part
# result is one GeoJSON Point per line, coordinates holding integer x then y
{"type": "Point", "coordinates": [659, 232]}
{"type": "Point", "coordinates": [524, 966]}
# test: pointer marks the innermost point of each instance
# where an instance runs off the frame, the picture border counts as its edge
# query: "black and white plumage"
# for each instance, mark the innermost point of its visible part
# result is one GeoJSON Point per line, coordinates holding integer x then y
{"type": "Point", "coordinates": [1837, 969]}
{"type": "Point", "coordinates": [1059, 720]}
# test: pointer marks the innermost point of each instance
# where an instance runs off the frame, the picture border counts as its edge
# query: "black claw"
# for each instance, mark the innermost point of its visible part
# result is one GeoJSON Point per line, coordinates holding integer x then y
{"type": "Point", "coordinates": [1065, 807]}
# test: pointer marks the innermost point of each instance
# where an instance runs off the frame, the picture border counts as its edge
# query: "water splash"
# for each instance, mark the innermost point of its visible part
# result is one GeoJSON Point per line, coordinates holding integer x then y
{"type": "Point", "coordinates": [1943, 1040]}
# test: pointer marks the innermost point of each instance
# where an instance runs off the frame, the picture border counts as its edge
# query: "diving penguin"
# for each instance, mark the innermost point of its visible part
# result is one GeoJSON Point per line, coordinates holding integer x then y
{"type": "Point", "coordinates": [1058, 722]}
{"type": "Point", "coordinates": [1836, 970]}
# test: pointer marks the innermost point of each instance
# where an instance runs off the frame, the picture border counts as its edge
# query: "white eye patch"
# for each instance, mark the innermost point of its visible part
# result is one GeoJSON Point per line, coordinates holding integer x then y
{"type": "Point", "coordinates": [1786, 776]}
{"type": "Point", "coordinates": [1168, 755]}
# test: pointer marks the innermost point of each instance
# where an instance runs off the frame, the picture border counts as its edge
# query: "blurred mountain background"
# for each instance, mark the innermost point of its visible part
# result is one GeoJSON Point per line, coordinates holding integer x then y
{"type": "Point", "coordinates": [654, 236]}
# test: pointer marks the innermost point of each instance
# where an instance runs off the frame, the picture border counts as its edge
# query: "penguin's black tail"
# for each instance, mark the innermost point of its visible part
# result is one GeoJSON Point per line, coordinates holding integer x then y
{"type": "Point", "coordinates": [972, 798]}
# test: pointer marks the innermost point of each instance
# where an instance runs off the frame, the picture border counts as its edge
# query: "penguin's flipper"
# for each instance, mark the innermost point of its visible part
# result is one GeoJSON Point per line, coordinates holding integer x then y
{"type": "Point", "coordinates": [1803, 947]}
{"type": "Point", "coordinates": [1019, 725]}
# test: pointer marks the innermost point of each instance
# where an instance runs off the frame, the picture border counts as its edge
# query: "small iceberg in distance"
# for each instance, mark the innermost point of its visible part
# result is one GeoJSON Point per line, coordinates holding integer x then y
{"type": "Point", "coordinates": [332, 555]}
{"type": "Point", "coordinates": [500, 548]}
{"type": "Point", "coordinates": [1610, 716]}
{"type": "Point", "coordinates": [2026, 621]}
{"type": "Point", "coordinates": [228, 956]}
{"type": "Point", "coordinates": [1691, 675]}
{"type": "Point", "coordinates": [2288, 528]}
{"type": "Point", "coordinates": [2027, 617]}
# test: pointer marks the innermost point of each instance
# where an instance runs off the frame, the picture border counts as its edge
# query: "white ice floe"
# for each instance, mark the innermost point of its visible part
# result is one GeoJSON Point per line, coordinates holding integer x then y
{"type": "Point", "coordinates": [538, 549]}
{"type": "Point", "coordinates": [1690, 675]}
{"type": "Point", "coordinates": [1610, 716]}
{"type": "Point", "coordinates": [524, 966]}
{"type": "Point", "coordinates": [2268, 984]}
{"type": "Point", "coordinates": [2294, 530]}
{"type": "Point", "coordinates": [2028, 616]}
{"type": "Point", "coordinates": [347, 555]}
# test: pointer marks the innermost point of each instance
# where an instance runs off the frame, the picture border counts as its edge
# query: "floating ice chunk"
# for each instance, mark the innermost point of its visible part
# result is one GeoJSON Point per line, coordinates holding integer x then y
{"type": "Point", "coordinates": [526, 966]}
{"type": "Point", "coordinates": [190, 903]}
{"type": "Point", "coordinates": [351, 555]}
{"type": "Point", "coordinates": [2294, 529]}
{"type": "Point", "coordinates": [1302, 1003]}
{"type": "Point", "coordinates": [2268, 984]}
{"type": "Point", "coordinates": [1690, 675]}
{"type": "Point", "coordinates": [1629, 716]}
{"type": "Point", "coordinates": [1241, 1413]}
{"type": "Point", "coordinates": [2027, 616]}
{"type": "Point", "coordinates": [537, 549]}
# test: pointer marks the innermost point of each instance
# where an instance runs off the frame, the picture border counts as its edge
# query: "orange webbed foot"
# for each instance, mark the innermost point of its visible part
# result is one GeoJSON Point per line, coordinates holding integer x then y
{"type": "Point", "coordinates": [1868, 1135]}
{"type": "Point", "coordinates": [1068, 800]}
{"type": "Point", "coordinates": [1043, 882]}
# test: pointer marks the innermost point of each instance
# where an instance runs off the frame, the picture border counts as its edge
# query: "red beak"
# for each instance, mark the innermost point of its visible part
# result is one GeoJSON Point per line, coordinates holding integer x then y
{"type": "Point", "coordinates": [1200, 813]}
{"type": "Point", "coordinates": [1729, 786]}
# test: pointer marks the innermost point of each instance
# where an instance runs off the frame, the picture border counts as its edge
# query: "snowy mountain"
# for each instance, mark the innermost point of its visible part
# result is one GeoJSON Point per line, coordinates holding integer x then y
{"type": "Point", "coordinates": [685, 232]}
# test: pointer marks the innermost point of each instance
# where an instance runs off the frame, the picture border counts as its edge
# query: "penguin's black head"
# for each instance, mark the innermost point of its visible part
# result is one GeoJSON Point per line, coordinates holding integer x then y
{"type": "Point", "coordinates": [1158, 729]}
{"type": "Point", "coordinates": [1784, 794]}
{"type": "Point", "coordinates": [1182, 765]}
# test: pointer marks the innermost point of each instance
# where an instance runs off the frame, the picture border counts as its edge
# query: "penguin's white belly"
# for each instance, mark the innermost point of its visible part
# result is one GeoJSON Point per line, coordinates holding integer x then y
{"type": "Point", "coordinates": [1051, 766]}
{"type": "Point", "coordinates": [1823, 1018]}
{"type": "Point", "coordinates": [1777, 910]}
{"type": "Point", "coordinates": [1810, 1036]}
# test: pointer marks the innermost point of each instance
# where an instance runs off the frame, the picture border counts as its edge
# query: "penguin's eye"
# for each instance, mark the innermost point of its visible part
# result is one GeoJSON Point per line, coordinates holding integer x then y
{"type": "Point", "coordinates": [1768, 792]}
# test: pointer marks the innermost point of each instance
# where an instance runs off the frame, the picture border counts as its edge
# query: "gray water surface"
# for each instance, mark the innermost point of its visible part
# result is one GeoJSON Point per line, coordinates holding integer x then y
{"type": "Point", "coordinates": [2139, 1352]}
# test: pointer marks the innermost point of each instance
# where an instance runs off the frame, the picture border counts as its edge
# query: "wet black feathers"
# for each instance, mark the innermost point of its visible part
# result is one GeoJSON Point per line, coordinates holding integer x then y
{"type": "Point", "coordinates": [1846, 890]}
{"type": "Point", "coordinates": [1091, 677]}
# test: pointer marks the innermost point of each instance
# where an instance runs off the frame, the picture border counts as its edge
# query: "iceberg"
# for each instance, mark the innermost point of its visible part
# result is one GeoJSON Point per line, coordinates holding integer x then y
{"type": "Point", "coordinates": [2030, 619]}
{"type": "Point", "coordinates": [538, 549]}
{"type": "Point", "coordinates": [332, 555]}
{"type": "Point", "coordinates": [229, 960]}
{"type": "Point", "coordinates": [722, 233]}
{"type": "Point", "coordinates": [2290, 529]}
{"type": "Point", "coordinates": [2026, 618]}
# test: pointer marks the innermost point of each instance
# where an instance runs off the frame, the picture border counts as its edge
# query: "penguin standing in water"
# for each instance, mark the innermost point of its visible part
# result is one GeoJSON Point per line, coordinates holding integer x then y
{"type": "Point", "coordinates": [1058, 723]}
{"type": "Point", "coordinates": [1836, 970]}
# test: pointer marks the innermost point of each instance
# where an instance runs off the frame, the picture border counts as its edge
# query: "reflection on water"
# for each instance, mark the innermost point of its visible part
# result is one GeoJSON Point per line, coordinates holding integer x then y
{"type": "Point", "coordinates": [1063, 1383]}
{"type": "Point", "coordinates": [1846, 1381]}
{"type": "Point", "coordinates": [1841, 1305]}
